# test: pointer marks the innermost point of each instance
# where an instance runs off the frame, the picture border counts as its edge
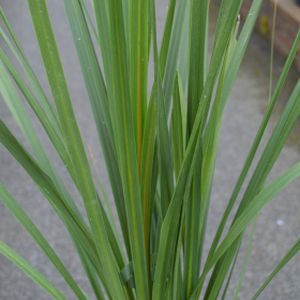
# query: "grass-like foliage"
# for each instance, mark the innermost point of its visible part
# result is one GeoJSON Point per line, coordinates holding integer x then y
{"type": "Point", "coordinates": [159, 136]}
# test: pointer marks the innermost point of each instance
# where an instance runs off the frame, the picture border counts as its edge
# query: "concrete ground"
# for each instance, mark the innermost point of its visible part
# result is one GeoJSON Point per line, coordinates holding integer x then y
{"type": "Point", "coordinates": [278, 225]}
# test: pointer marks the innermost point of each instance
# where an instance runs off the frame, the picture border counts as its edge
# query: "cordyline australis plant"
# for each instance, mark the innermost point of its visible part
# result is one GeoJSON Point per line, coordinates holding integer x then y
{"type": "Point", "coordinates": [159, 138]}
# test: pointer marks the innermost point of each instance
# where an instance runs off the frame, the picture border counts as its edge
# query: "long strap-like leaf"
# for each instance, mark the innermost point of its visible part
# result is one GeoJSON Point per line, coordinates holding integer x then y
{"type": "Point", "coordinates": [257, 140]}
{"type": "Point", "coordinates": [241, 223]}
{"type": "Point", "coordinates": [71, 133]}
{"type": "Point", "coordinates": [32, 273]}
{"type": "Point", "coordinates": [47, 187]}
{"type": "Point", "coordinates": [22, 217]}
{"type": "Point", "coordinates": [290, 254]}
{"type": "Point", "coordinates": [96, 88]}
{"type": "Point", "coordinates": [125, 139]}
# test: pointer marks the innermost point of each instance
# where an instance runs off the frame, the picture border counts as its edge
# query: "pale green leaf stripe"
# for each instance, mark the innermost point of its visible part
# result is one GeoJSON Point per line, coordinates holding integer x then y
{"type": "Point", "coordinates": [290, 254]}
{"type": "Point", "coordinates": [31, 272]}
{"type": "Point", "coordinates": [56, 78]}
{"type": "Point", "coordinates": [22, 217]}
{"type": "Point", "coordinates": [250, 212]}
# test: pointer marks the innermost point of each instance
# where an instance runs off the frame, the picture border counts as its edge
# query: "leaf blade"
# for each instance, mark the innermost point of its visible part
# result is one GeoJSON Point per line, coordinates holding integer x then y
{"type": "Point", "coordinates": [37, 277]}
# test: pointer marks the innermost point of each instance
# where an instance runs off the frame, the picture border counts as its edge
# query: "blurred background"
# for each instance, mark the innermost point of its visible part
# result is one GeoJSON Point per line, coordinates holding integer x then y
{"type": "Point", "coordinates": [279, 223]}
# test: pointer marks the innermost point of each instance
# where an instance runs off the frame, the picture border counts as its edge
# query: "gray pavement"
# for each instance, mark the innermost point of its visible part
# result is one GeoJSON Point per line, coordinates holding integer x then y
{"type": "Point", "coordinates": [278, 225]}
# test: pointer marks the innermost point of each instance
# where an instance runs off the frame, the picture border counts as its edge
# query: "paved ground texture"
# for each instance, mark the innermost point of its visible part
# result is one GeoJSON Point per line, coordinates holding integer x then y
{"type": "Point", "coordinates": [278, 225]}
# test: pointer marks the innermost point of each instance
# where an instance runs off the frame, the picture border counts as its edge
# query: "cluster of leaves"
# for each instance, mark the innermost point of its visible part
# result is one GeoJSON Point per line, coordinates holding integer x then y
{"type": "Point", "coordinates": [159, 141]}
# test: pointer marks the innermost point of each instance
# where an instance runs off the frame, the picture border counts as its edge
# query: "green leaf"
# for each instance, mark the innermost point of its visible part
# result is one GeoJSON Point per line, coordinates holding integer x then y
{"type": "Point", "coordinates": [177, 126]}
{"type": "Point", "coordinates": [50, 125]}
{"type": "Point", "coordinates": [119, 95]}
{"type": "Point", "coordinates": [257, 140]}
{"type": "Point", "coordinates": [198, 57]}
{"type": "Point", "coordinates": [14, 46]}
{"type": "Point", "coordinates": [244, 219]}
{"type": "Point", "coordinates": [245, 262]}
{"type": "Point", "coordinates": [70, 130]}
{"type": "Point", "coordinates": [31, 272]}
{"type": "Point", "coordinates": [22, 217]}
{"type": "Point", "coordinates": [167, 34]}
{"type": "Point", "coordinates": [138, 37]}
{"type": "Point", "coordinates": [168, 74]}
{"type": "Point", "coordinates": [290, 254]}
{"type": "Point", "coordinates": [170, 226]}
{"type": "Point", "coordinates": [159, 142]}
{"type": "Point", "coordinates": [99, 101]}
{"type": "Point", "coordinates": [78, 231]}
{"type": "Point", "coordinates": [148, 174]}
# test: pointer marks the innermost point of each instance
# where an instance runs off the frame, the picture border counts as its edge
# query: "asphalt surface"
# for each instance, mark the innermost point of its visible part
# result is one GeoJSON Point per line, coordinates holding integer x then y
{"type": "Point", "coordinates": [277, 227]}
